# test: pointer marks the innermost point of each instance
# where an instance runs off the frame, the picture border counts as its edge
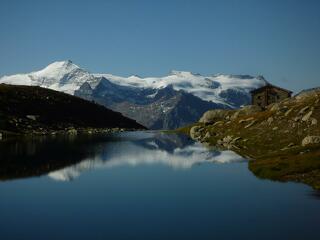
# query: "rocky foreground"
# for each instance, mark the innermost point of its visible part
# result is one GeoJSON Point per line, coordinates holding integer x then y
{"type": "Point", "coordinates": [283, 140]}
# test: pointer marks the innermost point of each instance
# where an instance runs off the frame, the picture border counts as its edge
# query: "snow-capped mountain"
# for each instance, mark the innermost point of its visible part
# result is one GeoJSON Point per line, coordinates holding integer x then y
{"type": "Point", "coordinates": [62, 76]}
{"type": "Point", "coordinates": [152, 101]}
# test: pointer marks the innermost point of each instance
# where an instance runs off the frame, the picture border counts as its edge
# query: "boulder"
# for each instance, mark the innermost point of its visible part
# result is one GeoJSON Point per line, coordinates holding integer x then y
{"type": "Point", "coordinates": [310, 140]}
{"type": "Point", "coordinates": [212, 116]}
{"type": "Point", "coordinates": [194, 132]}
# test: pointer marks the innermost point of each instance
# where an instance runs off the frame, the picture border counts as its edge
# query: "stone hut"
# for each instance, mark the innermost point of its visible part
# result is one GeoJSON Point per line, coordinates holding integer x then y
{"type": "Point", "coordinates": [268, 94]}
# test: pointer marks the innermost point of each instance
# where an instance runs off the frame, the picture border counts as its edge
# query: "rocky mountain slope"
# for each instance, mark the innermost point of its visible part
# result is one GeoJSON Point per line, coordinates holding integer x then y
{"type": "Point", "coordinates": [35, 110]}
{"type": "Point", "coordinates": [283, 141]}
{"type": "Point", "coordinates": [156, 102]}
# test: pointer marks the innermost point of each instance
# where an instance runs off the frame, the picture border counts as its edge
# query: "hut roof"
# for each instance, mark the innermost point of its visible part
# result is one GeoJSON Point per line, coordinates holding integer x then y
{"type": "Point", "coordinates": [269, 86]}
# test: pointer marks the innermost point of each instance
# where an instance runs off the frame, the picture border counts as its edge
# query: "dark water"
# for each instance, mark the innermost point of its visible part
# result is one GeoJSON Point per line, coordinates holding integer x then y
{"type": "Point", "coordinates": [144, 186]}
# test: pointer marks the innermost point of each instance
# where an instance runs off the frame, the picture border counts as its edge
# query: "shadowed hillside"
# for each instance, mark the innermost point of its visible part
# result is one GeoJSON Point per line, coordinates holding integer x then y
{"type": "Point", "coordinates": [25, 109]}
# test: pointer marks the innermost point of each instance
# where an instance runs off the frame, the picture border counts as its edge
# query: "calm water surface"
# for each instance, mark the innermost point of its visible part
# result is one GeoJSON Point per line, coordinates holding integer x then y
{"type": "Point", "coordinates": [144, 185]}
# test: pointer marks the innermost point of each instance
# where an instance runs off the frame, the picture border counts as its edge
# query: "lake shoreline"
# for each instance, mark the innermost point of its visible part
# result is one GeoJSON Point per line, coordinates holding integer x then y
{"type": "Point", "coordinates": [282, 141]}
{"type": "Point", "coordinates": [4, 135]}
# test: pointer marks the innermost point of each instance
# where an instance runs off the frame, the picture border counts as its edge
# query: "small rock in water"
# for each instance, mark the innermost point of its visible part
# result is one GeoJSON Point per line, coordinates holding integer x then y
{"type": "Point", "coordinates": [275, 128]}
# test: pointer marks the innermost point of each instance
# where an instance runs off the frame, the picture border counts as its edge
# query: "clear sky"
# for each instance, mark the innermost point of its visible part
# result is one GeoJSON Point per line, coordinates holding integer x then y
{"type": "Point", "coordinates": [279, 39]}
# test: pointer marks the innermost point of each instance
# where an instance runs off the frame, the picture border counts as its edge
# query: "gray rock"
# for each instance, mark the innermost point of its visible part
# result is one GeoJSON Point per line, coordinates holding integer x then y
{"type": "Point", "coordinates": [310, 140]}
{"type": "Point", "coordinates": [212, 116]}
{"type": "Point", "coordinates": [306, 117]}
{"type": "Point", "coordinates": [313, 121]}
{"type": "Point", "coordinates": [194, 132]}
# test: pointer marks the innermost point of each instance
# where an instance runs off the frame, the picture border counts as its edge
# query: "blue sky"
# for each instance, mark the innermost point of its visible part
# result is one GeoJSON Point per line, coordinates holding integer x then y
{"type": "Point", "coordinates": [279, 39]}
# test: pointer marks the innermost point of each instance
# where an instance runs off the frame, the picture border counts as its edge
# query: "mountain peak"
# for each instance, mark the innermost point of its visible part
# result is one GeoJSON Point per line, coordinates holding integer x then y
{"type": "Point", "coordinates": [59, 65]}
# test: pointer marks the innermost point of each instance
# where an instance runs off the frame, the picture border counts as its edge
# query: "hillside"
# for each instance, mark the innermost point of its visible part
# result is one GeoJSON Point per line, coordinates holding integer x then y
{"type": "Point", "coordinates": [167, 109]}
{"type": "Point", "coordinates": [26, 109]}
{"type": "Point", "coordinates": [282, 141]}
{"type": "Point", "coordinates": [154, 102]}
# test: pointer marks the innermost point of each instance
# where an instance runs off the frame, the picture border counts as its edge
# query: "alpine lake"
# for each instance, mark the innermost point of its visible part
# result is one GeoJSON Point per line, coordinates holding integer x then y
{"type": "Point", "coordinates": [143, 185]}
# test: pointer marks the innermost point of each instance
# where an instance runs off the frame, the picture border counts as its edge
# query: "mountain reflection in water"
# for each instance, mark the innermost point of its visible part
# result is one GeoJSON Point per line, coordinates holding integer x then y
{"type": "Point", "coordinates": [64, 158]}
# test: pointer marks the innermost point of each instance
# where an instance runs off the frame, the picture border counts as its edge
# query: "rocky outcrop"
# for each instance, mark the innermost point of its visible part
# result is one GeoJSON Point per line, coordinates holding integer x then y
{"type": "Point", "coordinates": [283, 139]}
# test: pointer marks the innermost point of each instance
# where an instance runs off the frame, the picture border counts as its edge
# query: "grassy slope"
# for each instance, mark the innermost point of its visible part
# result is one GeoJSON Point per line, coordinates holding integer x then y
{"type": "Point", "coordinates": [53, 110]}
{"type": "Point", "coordinates": [276, 147]}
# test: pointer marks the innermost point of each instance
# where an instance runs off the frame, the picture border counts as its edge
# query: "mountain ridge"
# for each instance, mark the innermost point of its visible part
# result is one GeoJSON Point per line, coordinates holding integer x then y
{"type": "Point", "coordinates": [135, 95]}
